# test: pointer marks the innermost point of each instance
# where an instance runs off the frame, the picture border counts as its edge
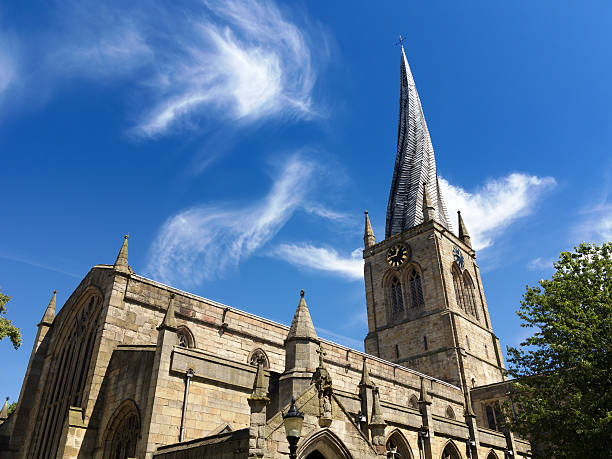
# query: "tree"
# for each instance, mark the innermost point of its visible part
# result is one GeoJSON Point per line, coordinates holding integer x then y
{"type": "Point", "coordinates": [6, 326]}
{"type": "Point", "coordinates": [562, 394]}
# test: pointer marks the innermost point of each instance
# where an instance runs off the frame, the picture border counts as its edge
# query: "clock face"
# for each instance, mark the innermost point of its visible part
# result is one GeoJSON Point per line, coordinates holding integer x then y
{"type": "Point", "coordinates": [397, 255]}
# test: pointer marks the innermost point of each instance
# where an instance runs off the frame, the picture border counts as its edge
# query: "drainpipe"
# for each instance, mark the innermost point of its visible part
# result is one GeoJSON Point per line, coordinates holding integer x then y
{"type": "Point", "coordinates": [188, 377]}
{"type": "Point", "coordinates": [423, 434]}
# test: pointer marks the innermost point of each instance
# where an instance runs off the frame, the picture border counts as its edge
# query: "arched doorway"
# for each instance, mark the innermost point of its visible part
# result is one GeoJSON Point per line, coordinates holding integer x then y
{"type": "Point", "coordinates": [323, 444]}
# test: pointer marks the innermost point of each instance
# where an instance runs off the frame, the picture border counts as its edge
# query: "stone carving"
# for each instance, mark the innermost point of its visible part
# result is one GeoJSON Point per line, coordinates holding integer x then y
{"type": "Point", "coordinates": [323, 383]}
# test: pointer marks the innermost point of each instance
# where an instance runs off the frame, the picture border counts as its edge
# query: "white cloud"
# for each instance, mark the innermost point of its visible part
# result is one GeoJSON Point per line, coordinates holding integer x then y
{"type": "Point", "coordinates": [203, 242]}
{"type": "Point", "coordinates": [541, 264]}
{"type": "Point", "coordinates": [237, 60]}
{"type": "Point", "coordinates": [323, 259]}
{"type": "Point", "coordinates": [595, 224]}
{"type": "Point", "coordinates": [492, 208]}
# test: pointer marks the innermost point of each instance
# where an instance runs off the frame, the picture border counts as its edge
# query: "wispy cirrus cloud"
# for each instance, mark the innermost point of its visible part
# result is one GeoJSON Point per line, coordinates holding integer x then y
{"type": "Point", "coordinates": [541, 264]}
{"type": "Point", "coordinates": [491, 208]}
{"type": "Point", "coordinates": [237, 60]}
{"type": "Point", "coordinates": [203, 242]}
{"type": "Point", "coordinates": [323, 259]}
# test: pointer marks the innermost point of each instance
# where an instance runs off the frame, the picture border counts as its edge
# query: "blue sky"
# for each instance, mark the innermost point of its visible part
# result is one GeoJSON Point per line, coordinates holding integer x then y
{"type": "Point", "coordinates": [238, 144]}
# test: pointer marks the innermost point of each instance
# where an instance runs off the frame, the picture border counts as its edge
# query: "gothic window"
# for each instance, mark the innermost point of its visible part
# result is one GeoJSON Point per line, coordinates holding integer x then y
{"type": "Point", "coordinates": [397, 301]}
{"type": "Point", "coordinates": [416, 289]}
{"type": "Point", "coordinates": [414, 402]}
{"type": "Point", "coordinates": [469, 295]}
{"type": "Point", "coordinates": [259, 354]}
{"type": "Point", "coordinates": [397, 447]}
{"type": "Point", "coordinates": [68, 369]}
{"type": "Point", "coordinates": [451, 452]}
{"type": "Point", "coordinates": [122, 432]}
{"type": "Point", "coordinates": [185, 338]}
{"type": "Point", "coordinates": [450, 414]}
{"type": "Point", "coordinates": [124, 441]}
{"type": "Point", "coordinates": [458, 284]}
{"type": "Point", "coordinates": [492, 455]}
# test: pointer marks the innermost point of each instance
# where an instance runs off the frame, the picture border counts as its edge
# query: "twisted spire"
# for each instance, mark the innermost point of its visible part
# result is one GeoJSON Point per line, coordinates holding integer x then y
{"type": "Point", "coordinates": [415, 163]}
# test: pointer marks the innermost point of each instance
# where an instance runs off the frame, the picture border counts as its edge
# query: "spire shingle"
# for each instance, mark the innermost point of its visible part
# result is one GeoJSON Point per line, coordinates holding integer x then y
{"type": "Point", "coordinates": [415, 163]}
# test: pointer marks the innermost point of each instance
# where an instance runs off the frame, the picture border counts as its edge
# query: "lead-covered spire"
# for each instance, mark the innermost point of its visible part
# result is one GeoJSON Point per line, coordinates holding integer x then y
{"type": "Point", "coordinates": [415, 163]}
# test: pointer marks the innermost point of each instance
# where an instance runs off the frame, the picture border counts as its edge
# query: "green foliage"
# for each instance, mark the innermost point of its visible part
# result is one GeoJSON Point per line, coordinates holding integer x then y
{"type": "Point", "coordinates": [564, 370]}
{"type": "Point", "coordinates": [6, 326]}
{"type": "Point", "coordinates": [12, 407]}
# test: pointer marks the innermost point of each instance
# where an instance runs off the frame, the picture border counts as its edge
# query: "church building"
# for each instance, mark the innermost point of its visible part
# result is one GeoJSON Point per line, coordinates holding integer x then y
{"type": "Point", "coordinates": [132, 368]}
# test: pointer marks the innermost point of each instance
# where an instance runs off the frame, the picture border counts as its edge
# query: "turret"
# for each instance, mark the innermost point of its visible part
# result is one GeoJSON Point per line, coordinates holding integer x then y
{"type": "Point", "coordinates": [463, 233]}
{"type": "Point", "coordinates": [368, 234]}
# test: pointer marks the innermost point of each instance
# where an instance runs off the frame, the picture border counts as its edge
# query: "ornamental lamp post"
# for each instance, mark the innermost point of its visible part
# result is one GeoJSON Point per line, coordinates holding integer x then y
{"type": "Point", "coordinates": [293, 420]}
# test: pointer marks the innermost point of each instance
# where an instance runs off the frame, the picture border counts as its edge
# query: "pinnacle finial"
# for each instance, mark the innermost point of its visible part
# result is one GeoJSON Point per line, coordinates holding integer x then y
{"type": "Point", "coordinates": [121, 264]}
{"type": "Point", "coordinates": [424, 396]}
{"type": "Point", "coordinates": [301, 326]}
{"type": "Point", "coordinates": [428, 209]}
{"type": "Point", "coordinates": [4, 411]}
{"type": "Point", "coordinates": [463, 233]}
{"type": "Point", "coordinates": [365, 375]}
{"type": "Point", "coordinates": [368, 234]}
{"type": "Point", "coordinates": [49, 314]}
{"type": "Point", "coordinates": [169, 322]}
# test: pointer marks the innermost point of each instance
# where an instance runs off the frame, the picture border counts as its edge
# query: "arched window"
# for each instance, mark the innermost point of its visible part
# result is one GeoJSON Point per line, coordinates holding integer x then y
{"type": "Point", "coordinates": [397, 301]}
{"type": "Point", "coordinates": [451, 452]}
{"type": "Point", "coordinates": [492, 455]}
{"type": "Point", "coordinates": [458, 284]}
{"type": "Point", "coordinates": [397, 447]}
{"type": "Point", "coordinates": [450, 414]}
{"type": "Point", "coordinates": [185, 337]}
{"type": "Point", "coordinates": [416, 289]}
{"type": "Point", "coordinates": [469, 294]}
{"type": "Point", "coordinates": [490, 417]}
{"type": "Point", "coordinates": [259, 354]}
{"type": "Point", "coordinates": [414, 402]}
{"type": "Point", "coordinates": [71, 355]}
{"type": "Point", "coordinates": [122, 432]}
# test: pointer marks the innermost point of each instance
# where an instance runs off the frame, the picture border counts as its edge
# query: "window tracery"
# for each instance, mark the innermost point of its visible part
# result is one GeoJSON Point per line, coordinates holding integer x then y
{"type": "Point", "coordinates": [397, 301]}
{"type": "Point", "coordinates": [185, 338]}
{"type": "Point", "coordinates": [416, 289]}
{"type": "Point", "coordinates": [458, 284]}
{"type": "Point", "coordinates": [71, 352]}
{"type": "Point", "coordinates": [257, 355]}
{"type": "Point", "coordinates": [470, 296]}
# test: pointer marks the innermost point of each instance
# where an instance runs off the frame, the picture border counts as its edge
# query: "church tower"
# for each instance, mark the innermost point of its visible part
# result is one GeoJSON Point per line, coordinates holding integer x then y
{"type": "Point", "coordinates": [425, 301]}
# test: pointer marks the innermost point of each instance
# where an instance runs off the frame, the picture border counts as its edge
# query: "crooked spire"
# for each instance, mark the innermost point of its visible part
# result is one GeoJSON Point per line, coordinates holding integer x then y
{"type": "Point", "coordinates": [302, 326]}
{"type": "Point", "coordinates": [368, 234]}
{"type": "Point", "coordinates": [415, 163]}
{"type": "Point", "coordinates": [463, 233]}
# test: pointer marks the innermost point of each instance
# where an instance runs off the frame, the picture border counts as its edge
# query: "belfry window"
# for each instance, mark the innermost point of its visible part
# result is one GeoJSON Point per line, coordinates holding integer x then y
{"type": "Point", "coordinates": [416, 289]}
{"type": "Point", "coordinates": [397, 301]}
{"type": "Point", "coordinates": [458, 284]}
{"type": "Point", "coordinates": [470, 297]}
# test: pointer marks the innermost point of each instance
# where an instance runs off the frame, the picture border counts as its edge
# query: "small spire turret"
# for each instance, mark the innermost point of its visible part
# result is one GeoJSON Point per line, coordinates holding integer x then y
{"type": "Point", "coordinates": [365, 375]}
{"type": "Point", "coordinates": [169, 322]}
{"type": "Point", "coordinates": [49, 314]}
{"type": "Point", "coordinates": [377, 416]}
{"type": "Point", "coordinates": [121, 264]}
{"type": "Point", "coordinates": [368, 234]}
{"type": "Point", "coordinates": [302, 326]}
{"type": "Point", "coordinates": [4, 412]}
{"type": "Point", "coordinates": [429, 212]}
{"type": "Point", "coordinates": [424, 396]}
{"type": "Point", "coordinates": [463, 233]}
